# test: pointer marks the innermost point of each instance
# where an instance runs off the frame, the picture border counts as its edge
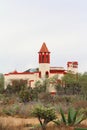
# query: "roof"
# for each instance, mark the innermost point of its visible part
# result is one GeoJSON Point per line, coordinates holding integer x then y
{"type": "Point", "coordinates": [44, 48]}
{"type": "Point", "coordinates": [32, 70]}
{"type": "Point", "coordinates": [72, 62]}
{"type": "Point", "coordinates": [25, 72]}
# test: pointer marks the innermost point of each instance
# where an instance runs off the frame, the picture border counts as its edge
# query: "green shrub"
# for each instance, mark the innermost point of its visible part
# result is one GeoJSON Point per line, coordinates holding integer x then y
{"type": "Point", "coordinates": [44, 115]}
{"type": "Point", "coordinates": [28, 94]}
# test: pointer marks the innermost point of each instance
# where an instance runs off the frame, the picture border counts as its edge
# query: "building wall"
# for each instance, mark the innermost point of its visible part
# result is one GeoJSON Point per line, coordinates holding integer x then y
{"type": "Point", "coordinates": [43, 67]}
{"type": "Point", "coordinates": [31, 78]}
{"type": "Point", "coordinates": [59, 75]}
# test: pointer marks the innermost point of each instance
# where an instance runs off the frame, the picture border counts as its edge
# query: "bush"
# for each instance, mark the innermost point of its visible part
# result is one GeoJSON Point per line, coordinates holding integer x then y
{"type": "Point", "coordinates": [28, 94]}
{"type": "Point", "coordinates": [12, 110]}
{"type": "Point", "coordinates": [44, 115]}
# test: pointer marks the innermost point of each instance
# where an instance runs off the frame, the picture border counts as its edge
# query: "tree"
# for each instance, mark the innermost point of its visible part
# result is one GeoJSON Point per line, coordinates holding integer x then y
{"type": "Point", "coordinates": [25, 95]}
{"type": "Point", "coordinates": [45, 84]}
{"type": "Point", "coordinates": [42, 85]}
{"type": "Point", "coordinates": [28, 94]}
{"type": "Point", "coordinates": [54, 79]}
{"type": "Point", "coordinates": [1, 83]}
{"type": "Point", "coordinates": [44, 115]}
{"type": "Point", "coordinates": [16, 86]}
{"type": "Point", "coordinates": [82, 79]}
{"type": "Point", "coordinates": [71, 82]}
{"type": "Point", "coordinates": [39, 87]}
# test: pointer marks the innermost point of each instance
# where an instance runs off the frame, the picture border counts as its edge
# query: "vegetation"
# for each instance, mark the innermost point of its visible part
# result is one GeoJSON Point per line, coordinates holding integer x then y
{"type": "Point", "coordinates": [71, 84]}
{"type": "Point", "coordinates": [16, 86]}
{"type": "Point", "coordinates": [72, 119]}
{"type": "Point", "coordinates": [19, 99]}
{"type": "Point", "coordinates": [44, 115]}
{"type": "Point", "coordinates": [27, 94]}
{"type": "Point", "coordinates": [1, 83]}
{"type": "Point", "coordinates": [82, 79]}
{"type": "Point", "coordinates": [80, 129]}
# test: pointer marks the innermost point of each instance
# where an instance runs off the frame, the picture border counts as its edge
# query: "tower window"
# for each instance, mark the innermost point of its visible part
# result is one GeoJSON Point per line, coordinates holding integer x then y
{"type": "Point", "coordinates": [42, 58]}
{"type": "Point", "coordinates": [46, 58]}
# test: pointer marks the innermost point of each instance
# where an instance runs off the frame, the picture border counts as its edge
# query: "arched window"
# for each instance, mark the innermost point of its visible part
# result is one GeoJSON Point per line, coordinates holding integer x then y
{"type": "Point", "coordinates": [47, 74]}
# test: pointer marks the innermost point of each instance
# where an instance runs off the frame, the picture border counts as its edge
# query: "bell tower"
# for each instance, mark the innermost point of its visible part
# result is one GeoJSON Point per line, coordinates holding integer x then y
{"type": "Point", "coordinates": [44, 61]}
{"type": "Point", "coordinates": [72, 66]}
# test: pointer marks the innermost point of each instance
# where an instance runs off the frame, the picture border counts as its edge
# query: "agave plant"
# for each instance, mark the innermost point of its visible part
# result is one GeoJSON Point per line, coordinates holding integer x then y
{"type": "Point", "coordinates": [80, 129]}
{"type": "Point", "coordinates": [73, 117]}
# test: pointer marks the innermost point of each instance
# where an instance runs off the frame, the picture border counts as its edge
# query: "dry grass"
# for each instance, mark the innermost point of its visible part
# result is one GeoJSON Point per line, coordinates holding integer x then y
{"type": "Point", "coordinates": [53, 127]}
{"type": "Point", "coordinates": [12, 123]}
{"type": "Point", "coordinates": [7, 127]}
{"type": "Point", "coordinates": [80, 104]}
{"type": "Point", "coordinates": [15, 123]}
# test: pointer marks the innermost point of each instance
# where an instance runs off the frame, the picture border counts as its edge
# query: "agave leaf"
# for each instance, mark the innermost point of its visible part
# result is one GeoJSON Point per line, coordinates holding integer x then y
{"type": "Point", "coordinates": [57, 122]}
{"type": "Point", "coordinates": [69, 117]}
{"type": "Point", "coordinates": [72, 114]}
{"type": "Point", "coordinates": [79, 119]}
{"type": "Point", "coordinates": [80, 128]}
{"type": "Point", "coordinates": [63, 116]}
{"type": "Point", "coordinates": [75, 116]}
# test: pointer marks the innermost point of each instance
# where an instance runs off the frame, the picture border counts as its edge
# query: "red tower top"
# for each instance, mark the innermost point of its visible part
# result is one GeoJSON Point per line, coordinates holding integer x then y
{"type": "Point", "coordinates": [73, 64]}
{"type": "Point", "coordinates": [44, 48]}
{"type": "Point", "coordinates": [44, 54]}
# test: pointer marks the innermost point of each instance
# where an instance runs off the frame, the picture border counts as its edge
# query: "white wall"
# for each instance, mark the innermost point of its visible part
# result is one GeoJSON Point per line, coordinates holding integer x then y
{"type": "Point", "coordinates": [43, 67]}
{"type": "Point", "coordinates": [27, 77]}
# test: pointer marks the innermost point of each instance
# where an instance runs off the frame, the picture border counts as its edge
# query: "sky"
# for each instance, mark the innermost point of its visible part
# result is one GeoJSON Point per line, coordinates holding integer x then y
{"type": "Point", "coordinates": [26, 24]}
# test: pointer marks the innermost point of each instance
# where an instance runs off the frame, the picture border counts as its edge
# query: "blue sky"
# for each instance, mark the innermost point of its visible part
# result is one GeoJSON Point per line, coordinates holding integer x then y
{"type": "Point", "coordinates": [26, 24]}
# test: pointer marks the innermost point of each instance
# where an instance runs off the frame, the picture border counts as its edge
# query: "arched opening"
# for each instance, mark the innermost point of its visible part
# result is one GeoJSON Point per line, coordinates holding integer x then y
{"type": "Point", "coordinates": [47, 74]}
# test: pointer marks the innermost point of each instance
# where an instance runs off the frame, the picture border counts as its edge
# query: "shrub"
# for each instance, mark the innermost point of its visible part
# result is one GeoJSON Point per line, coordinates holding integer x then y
{"type": "Point", "coordinates": [44, 115]}
{"type": "Point", "coordinates": [28, 94]}
{"type": "Point", "coordinates": [45, 97]}
{"type": "Point", "coordinates": [11, 110]}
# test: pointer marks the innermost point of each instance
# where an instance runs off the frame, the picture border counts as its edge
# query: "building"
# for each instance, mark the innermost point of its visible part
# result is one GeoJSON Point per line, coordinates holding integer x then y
{"type": "Point", "coordinates": [44, 70]}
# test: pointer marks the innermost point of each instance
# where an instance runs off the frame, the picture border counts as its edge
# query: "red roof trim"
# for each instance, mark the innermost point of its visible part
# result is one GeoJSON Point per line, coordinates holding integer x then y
{"type": "Point", "coordinates": [73, 62]}
{"type": "Point", "coordinates": [56, 67]}
{"type": "Point", "coordinates": [6, 74]}
{"type": "Point", "coordinates": [58, 71]}
{"type": "Point", "coordinates": [19, 73]}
